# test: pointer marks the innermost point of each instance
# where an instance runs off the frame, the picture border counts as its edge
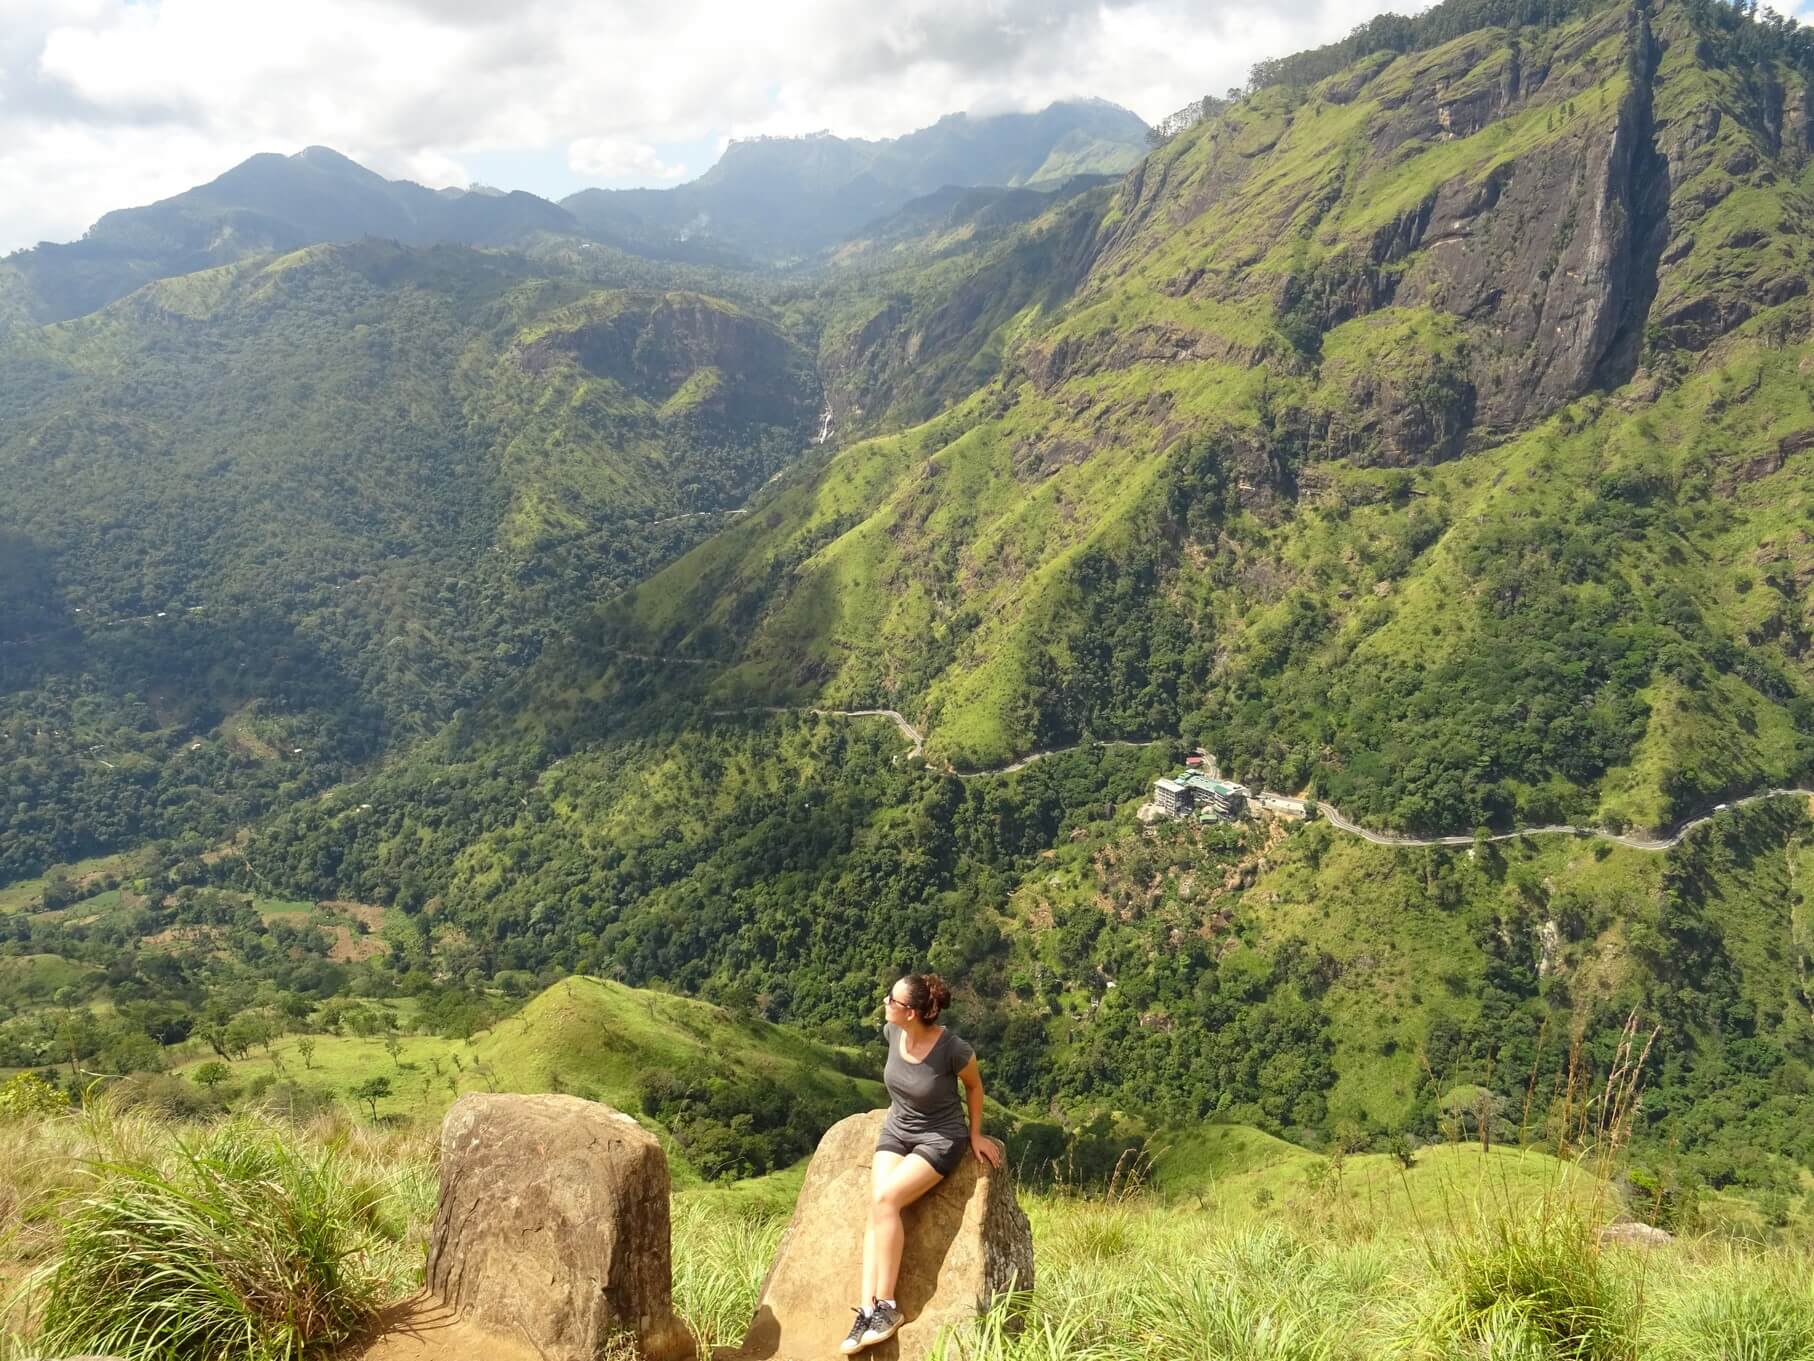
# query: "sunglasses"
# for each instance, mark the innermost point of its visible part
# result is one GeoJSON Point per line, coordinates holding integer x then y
{"type": "Point", "coordinates": [888, 998]}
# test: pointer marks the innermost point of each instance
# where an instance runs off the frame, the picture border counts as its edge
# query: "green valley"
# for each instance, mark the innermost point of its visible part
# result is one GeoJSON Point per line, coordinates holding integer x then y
{"type": "Point", "coordinates": [599, 654]}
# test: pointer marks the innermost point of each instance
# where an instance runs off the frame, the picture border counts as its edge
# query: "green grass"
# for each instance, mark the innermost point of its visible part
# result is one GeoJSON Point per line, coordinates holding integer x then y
{"type": "Point", "coordinates": [585, 1036]}
{"type": "Point", "coordinates": [26, 895]}
{"type": "Point", "coordinates": [39, 977]}
{"type": "Point", "coordinates": [339, 1063]}
{"type": "Point", "coordinates": [595, 1034]}
{"type": "Point", "coordinates": [257, 1236]}
{"type": "Point", "coordinates": [1248, 1176]}
{"type": "Point", "coordinates": [245, 1239]}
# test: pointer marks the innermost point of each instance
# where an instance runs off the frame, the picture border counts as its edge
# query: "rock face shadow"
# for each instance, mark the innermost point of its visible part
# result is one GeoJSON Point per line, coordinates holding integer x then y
{"type": "Point", "coordinates": [967, 1241]}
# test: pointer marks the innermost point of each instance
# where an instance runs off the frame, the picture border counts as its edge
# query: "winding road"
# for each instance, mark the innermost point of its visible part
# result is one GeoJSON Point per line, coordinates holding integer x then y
{"type": "Point", "coordinates": [1337, 819]}
{"type": "Point", "coordinates": [1335, 816]}
{"type": "Point", "coordinates": [1628, 839]}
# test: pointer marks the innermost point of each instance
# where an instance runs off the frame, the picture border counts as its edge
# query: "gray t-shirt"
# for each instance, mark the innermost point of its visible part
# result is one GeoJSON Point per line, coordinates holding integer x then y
{"type": "Point", "coordinates": [926, 1095]}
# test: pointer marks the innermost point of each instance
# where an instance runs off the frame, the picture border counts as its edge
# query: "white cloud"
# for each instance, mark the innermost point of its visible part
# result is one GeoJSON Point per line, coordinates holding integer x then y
{"type": "Point", "coordinates": [109, 103]}
{"type": "Point", "coordinates": [621, 158]}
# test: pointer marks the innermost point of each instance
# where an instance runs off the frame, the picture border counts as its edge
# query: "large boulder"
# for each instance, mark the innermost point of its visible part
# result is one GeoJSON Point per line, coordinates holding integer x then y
{"type": "Point", "coordinates": [552, 1226]}
{"type": "Point", "coordinates": [967, 1241]}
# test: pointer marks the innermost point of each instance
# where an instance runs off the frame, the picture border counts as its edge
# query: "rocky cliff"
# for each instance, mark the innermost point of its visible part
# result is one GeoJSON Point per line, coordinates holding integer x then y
{"type": "Point", "coordinates": [1181, 392]}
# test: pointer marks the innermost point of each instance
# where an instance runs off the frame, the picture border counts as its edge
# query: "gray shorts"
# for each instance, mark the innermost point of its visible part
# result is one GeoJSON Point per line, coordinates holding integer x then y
{"type": "Point", "coordinates": [941, 1150]}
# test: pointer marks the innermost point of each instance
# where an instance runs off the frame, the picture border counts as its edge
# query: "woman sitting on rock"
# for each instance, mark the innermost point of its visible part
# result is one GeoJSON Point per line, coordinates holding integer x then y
{"type": "Point", "coordinates": [924, 1138]}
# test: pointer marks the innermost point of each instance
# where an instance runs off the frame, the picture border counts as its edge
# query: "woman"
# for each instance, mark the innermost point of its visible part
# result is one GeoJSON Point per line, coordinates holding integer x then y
{"type": "Point", "coordinates": [924, 1138]}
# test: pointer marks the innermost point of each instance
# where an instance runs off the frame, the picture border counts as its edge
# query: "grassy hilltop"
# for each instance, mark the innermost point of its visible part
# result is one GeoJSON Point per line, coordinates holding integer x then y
{"type": "Point", "coordinates": [1427, 430]}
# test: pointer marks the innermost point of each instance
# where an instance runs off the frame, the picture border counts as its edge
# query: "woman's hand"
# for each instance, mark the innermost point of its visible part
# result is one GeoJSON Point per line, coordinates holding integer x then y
{"type": "Point", "coordinates": [986, 1149]}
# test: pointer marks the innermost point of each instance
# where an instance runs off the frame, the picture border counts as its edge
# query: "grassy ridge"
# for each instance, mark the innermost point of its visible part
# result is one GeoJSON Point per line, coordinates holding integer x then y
{"type": "Point", "coordinates": [587, 1036]}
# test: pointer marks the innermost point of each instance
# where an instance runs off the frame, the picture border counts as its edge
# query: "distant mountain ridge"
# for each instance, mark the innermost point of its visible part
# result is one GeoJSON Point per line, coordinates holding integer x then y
{"type": "Point", "coordinates": [778, 196]}
{"type": "Point", "coordinates": [268, 204]}
{"type": "Point", "coordinates": [767, 199]}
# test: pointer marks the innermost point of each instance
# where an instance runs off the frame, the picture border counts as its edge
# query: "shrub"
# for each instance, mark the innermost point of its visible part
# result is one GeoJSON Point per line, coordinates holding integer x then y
{"type": "Point", "coordinates": [168, 1096]}
{"type": "Point", "coordinates": [245, 1247]}
{"type": "Point", "coordinates": [26, 1094]}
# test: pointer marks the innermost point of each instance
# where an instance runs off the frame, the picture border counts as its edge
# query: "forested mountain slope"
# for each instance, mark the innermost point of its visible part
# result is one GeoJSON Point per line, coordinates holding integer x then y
{"type": "Point", "coordinates": [266, 520]}
{"type": "Point", "coordinates": [1429, 426]}
{"type": "Point", "coordinates": [1436, 434]}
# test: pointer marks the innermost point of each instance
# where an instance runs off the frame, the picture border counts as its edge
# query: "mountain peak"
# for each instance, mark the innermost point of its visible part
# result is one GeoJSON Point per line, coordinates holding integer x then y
{"type": "Point", "coordinates": [326, 158]}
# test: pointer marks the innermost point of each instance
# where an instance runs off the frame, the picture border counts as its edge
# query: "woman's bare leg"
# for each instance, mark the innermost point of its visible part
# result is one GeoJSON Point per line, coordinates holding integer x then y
{"type": "Point", "coordinates": [881, 1171]}
{"type": "Point", "coordinates": [905, 1183]}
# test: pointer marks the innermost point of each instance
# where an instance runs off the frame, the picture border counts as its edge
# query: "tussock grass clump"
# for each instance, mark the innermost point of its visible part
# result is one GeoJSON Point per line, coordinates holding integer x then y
{"type": "Point", "coordinates": [1736, 1307]}
{"type": "Point", "coordinates": [1536, 1283]}
{"type": "Point", "coordinates": [244, 1240]}
{"type": "Point", "coordinates": [720, 1257]}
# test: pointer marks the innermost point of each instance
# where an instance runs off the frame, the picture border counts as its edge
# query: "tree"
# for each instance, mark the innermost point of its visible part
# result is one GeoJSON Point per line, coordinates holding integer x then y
{"type": "Point", "coordinates": [372, 1091]}
{"type": "Point", "coordinates": [394, 1047]}
{"type": "Point", "coordinates": [306, 1047]}
{"type": "Point", "coordinates": [1400, 1147]}
{"type": "Point", "coordinates": [212, 1073]}
{"type": "Point", "coordinates": [243, 1032]}
{"type": "Point", "coordinates": [29, 1094]}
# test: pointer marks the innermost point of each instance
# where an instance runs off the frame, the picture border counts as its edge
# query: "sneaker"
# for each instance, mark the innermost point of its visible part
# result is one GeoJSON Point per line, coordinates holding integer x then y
{"type": "Point", "coordinates": [855, 1342]}
{"type": "Point", "coordinates": [884, 1323]}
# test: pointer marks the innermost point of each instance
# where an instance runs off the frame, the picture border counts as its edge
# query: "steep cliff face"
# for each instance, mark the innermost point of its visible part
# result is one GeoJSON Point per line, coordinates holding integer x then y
{"type": "Point", "coordinates": [684, 353]}
{"type": "Point", "coordinates": [1499, 179]}
{"type": "Point", "coordinates": [1341, 438]}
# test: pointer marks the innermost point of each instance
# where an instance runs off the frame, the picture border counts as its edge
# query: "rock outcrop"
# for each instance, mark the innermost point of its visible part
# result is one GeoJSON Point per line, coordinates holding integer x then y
{"type": "Point", "coordinates": [552, 1226]}
{"type": "Point", "coordinates": [967, 1241]}
{"type": "Point", "coordinates": [1634, 1235]}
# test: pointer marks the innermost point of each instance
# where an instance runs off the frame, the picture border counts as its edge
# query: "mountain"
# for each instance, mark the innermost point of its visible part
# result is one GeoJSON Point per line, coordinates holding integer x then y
{"type": "Point", "coordinates": [772, 197]}
{"type": "Point", "coordinates": [1431, 434]}
{"type": "Point", "coordinates": [1427, 429]}
{"type": "Point", "coordinates": [784, 198]}
{"type": "Point", "coordinates": [268, 204]}
{"type": "Point", "coordinates": [268, 520]}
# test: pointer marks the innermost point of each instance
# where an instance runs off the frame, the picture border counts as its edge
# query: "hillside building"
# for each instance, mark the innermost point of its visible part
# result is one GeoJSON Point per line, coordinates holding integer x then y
{"type": "Point", "coordinates": [1192, 792]}
{"type": "Point", "coordinates": [1173, 799]}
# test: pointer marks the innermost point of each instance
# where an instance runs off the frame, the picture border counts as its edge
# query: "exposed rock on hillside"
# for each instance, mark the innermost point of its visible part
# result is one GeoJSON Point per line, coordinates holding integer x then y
{"type": "Point", "coordinates": [1432, 253]}
{"type": "Point", "coordinates": [552, 1225]}
{"type": "Point", "coordinates": [701, 354]}
{"type": "Point", "coordinates": [967, 1241]}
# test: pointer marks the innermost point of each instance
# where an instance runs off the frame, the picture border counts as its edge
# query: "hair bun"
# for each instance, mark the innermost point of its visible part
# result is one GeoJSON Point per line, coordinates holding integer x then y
{"type": "Point", "coordinates": [936, 990]}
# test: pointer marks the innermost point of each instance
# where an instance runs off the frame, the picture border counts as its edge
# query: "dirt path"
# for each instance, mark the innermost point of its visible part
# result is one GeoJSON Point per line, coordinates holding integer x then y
{"type": "Point", "coordinates": [424, 1329]}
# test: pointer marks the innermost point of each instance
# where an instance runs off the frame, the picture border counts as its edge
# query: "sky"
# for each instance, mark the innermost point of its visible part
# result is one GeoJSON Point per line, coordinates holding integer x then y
{"type": "Point", "coordinates": [112, 103]}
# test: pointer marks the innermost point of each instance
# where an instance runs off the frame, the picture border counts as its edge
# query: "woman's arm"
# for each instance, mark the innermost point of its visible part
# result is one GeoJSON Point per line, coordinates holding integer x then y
{"type": "Point", "coordinates": [980, 1144]}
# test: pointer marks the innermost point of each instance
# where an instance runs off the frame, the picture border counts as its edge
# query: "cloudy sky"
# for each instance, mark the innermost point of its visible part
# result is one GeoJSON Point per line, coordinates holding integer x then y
{"type": "Point", "coordinates": [110, 103]}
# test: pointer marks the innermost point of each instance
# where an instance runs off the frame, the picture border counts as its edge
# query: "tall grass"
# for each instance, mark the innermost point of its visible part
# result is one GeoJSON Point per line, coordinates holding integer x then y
{"type": "Point", "coordinates": [721, 1254]}
{"type": "Point", "coordinates": [266, 1240]}
{"type": "Point", "coordinates": [1536, 1283]}
{"type": "Point", "coordinates": [247, 1239]}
